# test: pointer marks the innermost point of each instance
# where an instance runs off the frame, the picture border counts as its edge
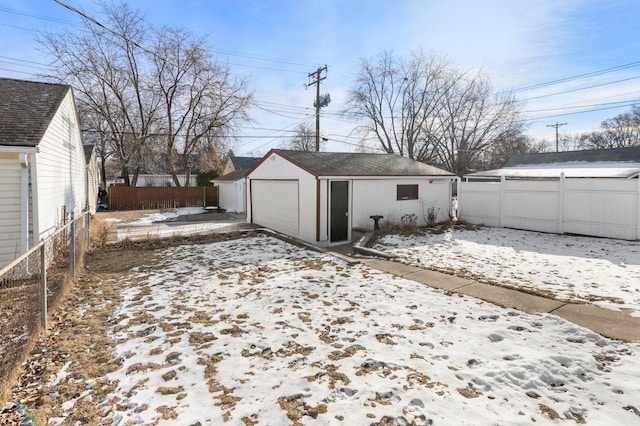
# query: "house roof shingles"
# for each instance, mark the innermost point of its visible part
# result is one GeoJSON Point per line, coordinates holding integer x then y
{"type": "Point", "coordinates": [26, 110]}
{"type": "Point", "coordinates": [360, 164]}
{"type": "Point", "coordinates": [233, 176]}
{"type": "Point", "coordinates": [629, 154]}
{"type": "Point", "coordinates": [244, 163]}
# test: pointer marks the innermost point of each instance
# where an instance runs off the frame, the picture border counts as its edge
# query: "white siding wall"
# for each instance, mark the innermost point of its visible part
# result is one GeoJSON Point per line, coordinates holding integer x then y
{"type": "Point", "coordinates": [60, 170]}
{"type": "Point", "coordinates": [598, 207]}
{"type": "Point", "coordinates": [93, 180]}
{"type": "Point", "coordinates": [379, 197]}
{"type": "Point", "coordinates": [162, 180]}
{"type": "Point", "coordinates": [10, 207]}
{"type": "Point", "coordinates": [227, 195]}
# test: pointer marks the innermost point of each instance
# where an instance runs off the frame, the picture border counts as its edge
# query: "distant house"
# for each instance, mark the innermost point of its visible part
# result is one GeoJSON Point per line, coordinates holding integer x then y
{"type": "Point", "coordinates": [593, 163]}
{"type": "Point", "coordinates": [232, 193]}
{"type": "Point", "coordinates": [239, 163]}
{"type": "Point", "coordinates": [158, 174]}
{"type": "Point", "coordinates": [93, 177]}
{"type": "Point", "coordinates": [319, 197]}
{"type": "Point", "coordinates": [588, 192]}
{"type": "Point", "coordinates": [44, 173]}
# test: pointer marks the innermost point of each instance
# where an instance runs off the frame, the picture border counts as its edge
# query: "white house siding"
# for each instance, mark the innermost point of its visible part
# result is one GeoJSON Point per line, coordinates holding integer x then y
{"type": "Point", "coordinates": [232, 195]}
{"type": "Point", "coordinates": [226, 195]}
{"type": "Point", "coordinates": [93, 183]}
{"type": "Point", "coordinates": [375, 196]}
{"type": "Point", "coordinates": [60, 171]}
{"type": "Point", "coordinates": [598, 207]}
{"type": "Point", "coordinates": [162, 180]}
{"type": "Point", "coordinates": [10, 207]}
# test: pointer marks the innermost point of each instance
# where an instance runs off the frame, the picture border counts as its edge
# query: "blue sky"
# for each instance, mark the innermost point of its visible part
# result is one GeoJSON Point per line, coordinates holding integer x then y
{"type": "Point", "coordinates": [276, 44]}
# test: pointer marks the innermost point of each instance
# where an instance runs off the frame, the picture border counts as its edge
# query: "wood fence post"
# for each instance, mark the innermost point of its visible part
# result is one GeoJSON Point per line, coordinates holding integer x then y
{"type": "Point", "coordinates": [43, 285]}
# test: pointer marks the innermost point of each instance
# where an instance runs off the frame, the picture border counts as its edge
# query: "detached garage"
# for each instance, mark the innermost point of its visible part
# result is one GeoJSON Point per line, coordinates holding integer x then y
{"type": "Point", "coordinates": [319, 197]}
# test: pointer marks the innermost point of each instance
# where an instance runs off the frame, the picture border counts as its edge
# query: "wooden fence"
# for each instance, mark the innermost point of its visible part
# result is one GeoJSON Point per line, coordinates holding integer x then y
{"type": "Point", "coordinates": [161, 197]}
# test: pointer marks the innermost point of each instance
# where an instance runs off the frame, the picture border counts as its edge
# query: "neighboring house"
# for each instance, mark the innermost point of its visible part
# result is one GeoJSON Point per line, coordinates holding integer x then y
{"type": "Point", "coordinates": [590, 192]}
{"type": "Point", "coordinates": [593, 163]}
{"type": "Point", "coordinates": [239, 163]}
{"type": "Point", "coordinates": [42, 162]}
{"type": "Point", "coordinates": [319, 197]}
{"type": "Point", "coordinates": [93, 177]}
{"type": "Point", "coordinates": [158, 174]}
{"type": "Point", "coordinates": [232, 194]}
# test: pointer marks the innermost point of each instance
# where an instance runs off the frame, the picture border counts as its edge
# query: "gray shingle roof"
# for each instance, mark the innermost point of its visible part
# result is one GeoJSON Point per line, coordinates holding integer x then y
{"type": "Point", "coordinates": [360, 164]}
{"type": "Point", "coordinates": [627, 154]}
{"type": "Point", "coordinates": [233, 176]}
{"type": "Point", "coordinates": [244, 162]}
{"type": "Point", "coordinates": [26, 109]}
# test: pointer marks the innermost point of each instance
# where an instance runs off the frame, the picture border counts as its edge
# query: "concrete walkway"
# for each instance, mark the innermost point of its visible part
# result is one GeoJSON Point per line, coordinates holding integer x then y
{"type": "Point", "coordinates": [606, 322]}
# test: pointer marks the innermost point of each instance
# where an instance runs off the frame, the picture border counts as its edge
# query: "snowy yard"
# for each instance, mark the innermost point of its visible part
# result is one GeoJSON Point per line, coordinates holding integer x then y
{"type": "Point", "coordinates": [257, 331]}
{"type": "Point", "coordinates": [601, 271]}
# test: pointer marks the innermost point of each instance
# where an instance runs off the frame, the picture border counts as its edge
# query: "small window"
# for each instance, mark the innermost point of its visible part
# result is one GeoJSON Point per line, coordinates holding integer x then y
{"type": "Point", "coordinates": [407, 192]}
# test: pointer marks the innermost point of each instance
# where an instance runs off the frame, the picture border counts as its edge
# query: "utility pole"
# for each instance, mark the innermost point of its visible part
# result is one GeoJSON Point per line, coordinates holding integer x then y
{"type": "Point", "coordinates": [315, 78]}
{"type": "Point", "coordinates": [556, 126]}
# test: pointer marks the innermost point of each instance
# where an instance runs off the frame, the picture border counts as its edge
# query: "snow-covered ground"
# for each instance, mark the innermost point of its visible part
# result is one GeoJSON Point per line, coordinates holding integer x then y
{"type": "Point", "coordinates": [257, 331]}
{"type": "Point", "coordinates": [601, 271]}
{"type": "Point", "coordinates": [160, 225]}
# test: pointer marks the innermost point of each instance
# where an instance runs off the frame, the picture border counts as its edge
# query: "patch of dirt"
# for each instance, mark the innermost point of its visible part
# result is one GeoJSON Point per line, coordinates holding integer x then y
{"type": "Point", "coordinates": [77, 347]}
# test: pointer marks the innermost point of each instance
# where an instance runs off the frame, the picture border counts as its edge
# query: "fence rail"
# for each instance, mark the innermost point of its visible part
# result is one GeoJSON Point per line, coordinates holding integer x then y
{"type": "Point", "coordinates": [30, 286]}
{"type": "Point", "coordinates": [161, 197]}
{"type": "Point", "coordinates": [597, 207]}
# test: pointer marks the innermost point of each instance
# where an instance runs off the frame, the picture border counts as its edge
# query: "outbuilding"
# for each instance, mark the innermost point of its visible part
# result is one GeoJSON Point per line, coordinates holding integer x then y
{"type": "Point", "coordinates": [319, 197]}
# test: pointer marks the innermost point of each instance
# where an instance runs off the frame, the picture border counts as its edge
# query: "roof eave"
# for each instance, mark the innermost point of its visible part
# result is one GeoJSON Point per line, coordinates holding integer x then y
{"type": "Point", "coordinates": [23, 148]}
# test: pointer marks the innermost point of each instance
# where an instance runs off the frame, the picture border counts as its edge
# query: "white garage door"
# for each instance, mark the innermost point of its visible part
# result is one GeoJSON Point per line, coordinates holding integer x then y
{"type": "Point", "coordinates": [274, 204]}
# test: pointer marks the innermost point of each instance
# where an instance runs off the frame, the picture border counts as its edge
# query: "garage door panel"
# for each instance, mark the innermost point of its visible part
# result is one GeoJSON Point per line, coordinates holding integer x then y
{"type": "Point", "coordinates": [274, 204]}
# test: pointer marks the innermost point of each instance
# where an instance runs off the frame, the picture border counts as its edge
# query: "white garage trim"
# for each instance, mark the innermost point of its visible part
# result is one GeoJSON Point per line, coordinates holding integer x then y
{"type": "Point", "coordinates": [274, 204]}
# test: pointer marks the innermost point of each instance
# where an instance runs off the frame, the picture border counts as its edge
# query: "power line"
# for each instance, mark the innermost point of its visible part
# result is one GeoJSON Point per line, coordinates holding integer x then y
{"type": "Point", "coordinates": [577, 77]}
{"type": "Point", "coordinates": [581, 88]}
{"type": "Point", "coordinates": [34, 15]}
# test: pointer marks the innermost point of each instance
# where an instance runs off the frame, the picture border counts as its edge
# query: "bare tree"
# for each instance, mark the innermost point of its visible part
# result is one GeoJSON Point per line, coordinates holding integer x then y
{"type": "Point", "coordinates": [200, 101]}
{"type": "Point", "coordinates": [513, 142]}
{"type": "Point", "coordinates": [304, 139]}
{"type": "Point", "coordinates": [110, 83]}
{"type": "Point", "coordinates": [617, 132]}
{"type": "Point", "coordinates": [427, 110]}
{"type": "Point", "coordinates": [396, 101]}
{"type": "Point", "coordinates": [172, 95]}
{"type": "Point", "coordinates": [473, 118]}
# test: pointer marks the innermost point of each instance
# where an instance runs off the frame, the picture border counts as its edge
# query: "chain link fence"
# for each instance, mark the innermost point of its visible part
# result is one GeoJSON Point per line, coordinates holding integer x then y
{"type": "Point", "coordinates": [32, 285]}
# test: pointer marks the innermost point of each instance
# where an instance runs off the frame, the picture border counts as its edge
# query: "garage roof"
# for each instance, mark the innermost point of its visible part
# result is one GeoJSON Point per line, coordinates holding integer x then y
{"type": "Point", "coordinates": [629, 154]}
{"type": "Point", "coordinates": [570, 170]}
{"type": "Point", "coordinates": [357, 164]}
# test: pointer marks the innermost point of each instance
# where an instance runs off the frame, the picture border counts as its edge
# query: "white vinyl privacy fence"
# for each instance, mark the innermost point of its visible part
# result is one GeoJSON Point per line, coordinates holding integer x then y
{"type": "Point", "coordinates": [586, 206]}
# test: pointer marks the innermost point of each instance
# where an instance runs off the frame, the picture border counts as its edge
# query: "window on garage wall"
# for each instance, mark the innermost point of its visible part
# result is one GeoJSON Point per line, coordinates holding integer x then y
{"type": "Point", "coordinates": [407, 192]}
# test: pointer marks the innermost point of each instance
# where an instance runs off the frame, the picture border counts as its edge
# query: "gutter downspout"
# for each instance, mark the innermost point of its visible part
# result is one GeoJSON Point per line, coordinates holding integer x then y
{"type": "Point", "coordinates": [24, 202]}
